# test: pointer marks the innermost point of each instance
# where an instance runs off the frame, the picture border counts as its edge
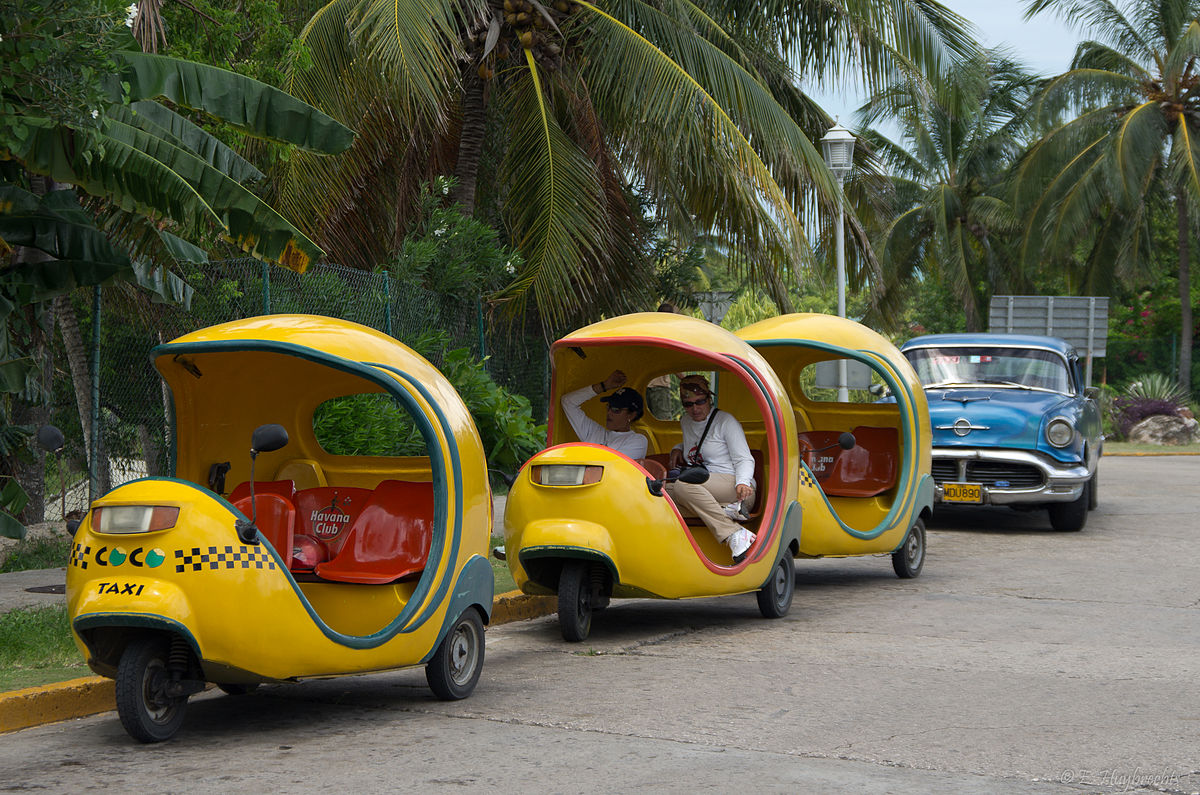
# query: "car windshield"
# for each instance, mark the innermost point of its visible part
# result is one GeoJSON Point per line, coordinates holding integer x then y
{"type": "Point", "coordinates": [1021, 368]}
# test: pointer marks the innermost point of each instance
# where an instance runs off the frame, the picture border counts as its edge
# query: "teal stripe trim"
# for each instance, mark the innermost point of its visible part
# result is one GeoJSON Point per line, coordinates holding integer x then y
{"type": "Point", "coordinates": [903, 510]}
{"type": "Point", "coordinates": [405, 622]}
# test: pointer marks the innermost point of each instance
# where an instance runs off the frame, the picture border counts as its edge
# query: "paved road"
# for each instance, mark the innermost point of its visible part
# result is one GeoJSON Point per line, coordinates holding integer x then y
{"type": "Point", "coordinates": [1022, 660]}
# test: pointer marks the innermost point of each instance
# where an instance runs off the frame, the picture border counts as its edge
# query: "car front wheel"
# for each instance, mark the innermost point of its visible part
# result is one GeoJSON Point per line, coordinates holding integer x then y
{"type": "Point", "coordinates": [1070, 517]}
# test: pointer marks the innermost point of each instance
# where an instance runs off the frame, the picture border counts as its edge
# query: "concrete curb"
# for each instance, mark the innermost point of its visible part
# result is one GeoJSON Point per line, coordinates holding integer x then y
{"type": "Point", "coordinates": [89, 695]}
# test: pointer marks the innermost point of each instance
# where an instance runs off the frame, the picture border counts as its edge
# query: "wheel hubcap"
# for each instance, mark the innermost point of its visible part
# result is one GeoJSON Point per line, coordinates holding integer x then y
{"type": "Point", "coordinates": [914, 549]}
{"type": "Point", "coordinates": [462, 654]}
{"type": "Point", "coordinates": [158, 705]}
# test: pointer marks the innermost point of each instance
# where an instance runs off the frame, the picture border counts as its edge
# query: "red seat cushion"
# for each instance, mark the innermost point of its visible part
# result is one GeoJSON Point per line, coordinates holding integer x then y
{"type": "Point", "coordinates": [867, 469]}
{"type": "Point", "coordinates": [275, 518]}
{"type": "Point", "coordinates": [389, 540]}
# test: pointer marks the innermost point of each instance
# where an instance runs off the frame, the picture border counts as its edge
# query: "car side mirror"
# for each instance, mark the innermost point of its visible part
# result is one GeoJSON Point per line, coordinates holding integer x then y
{"type": "Point", "coordinates": [1092, 392]}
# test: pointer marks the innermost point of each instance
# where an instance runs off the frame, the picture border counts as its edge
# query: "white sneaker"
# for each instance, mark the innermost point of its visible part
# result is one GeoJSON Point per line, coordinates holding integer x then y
{"type": "Point", "coordinates": [740, 541]}
{"type": "Point", "coordinates": [736, 511]}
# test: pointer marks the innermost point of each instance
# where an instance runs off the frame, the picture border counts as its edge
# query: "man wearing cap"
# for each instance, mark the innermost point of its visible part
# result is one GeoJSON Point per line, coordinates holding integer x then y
{"type": "Point", "coordinates": [624, 407]}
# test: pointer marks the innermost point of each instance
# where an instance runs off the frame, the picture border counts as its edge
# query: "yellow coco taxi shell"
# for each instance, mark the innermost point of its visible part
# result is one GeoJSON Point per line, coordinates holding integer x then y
{"type": "Point", "coordinates": [165, 567]}
{"type": "Point", "coordinates": [614, 533]}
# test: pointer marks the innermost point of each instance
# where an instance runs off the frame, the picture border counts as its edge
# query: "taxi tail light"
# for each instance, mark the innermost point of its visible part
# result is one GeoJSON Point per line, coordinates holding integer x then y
{"type": "Point", "coordinates": [566, 474]}
{"type": "Point", "coordinates": [124, 519]}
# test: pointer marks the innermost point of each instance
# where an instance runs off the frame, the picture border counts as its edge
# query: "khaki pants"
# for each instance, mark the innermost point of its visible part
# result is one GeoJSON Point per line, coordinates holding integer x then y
{"type": "Point", "coordinates": [705, 500]}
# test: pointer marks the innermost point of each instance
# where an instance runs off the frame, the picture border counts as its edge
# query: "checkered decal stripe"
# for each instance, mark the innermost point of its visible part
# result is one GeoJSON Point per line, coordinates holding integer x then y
{"type": "Point", "coordinates": [806, 479]}
{"type": "Point", "coordinates": [230, 557]}
{"type": "Point", "coordinates": [79, 555]}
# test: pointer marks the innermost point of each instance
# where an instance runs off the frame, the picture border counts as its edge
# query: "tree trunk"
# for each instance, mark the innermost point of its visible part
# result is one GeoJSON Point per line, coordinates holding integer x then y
{"type": "Point", "coordinates": [470, 140]}
{"type": "Point", "coordinates": [77, 362]}
{"type": "Point", "coordinates": [31, 473]}
{"type": "Point", "coordinates": [1186, 322]}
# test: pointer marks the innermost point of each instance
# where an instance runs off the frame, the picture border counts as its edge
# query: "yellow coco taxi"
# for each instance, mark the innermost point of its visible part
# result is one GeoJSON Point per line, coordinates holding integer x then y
{"type": "Point", "coordinates": [329, 514]}
{"type": "Point", "coordinates": [588, 523]}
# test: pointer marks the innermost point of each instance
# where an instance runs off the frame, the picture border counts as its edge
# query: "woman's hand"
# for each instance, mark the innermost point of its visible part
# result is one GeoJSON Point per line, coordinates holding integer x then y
{"type": "Point", "coordinates": [675, 459]}
{"type": "Point", "coordinates": [743, 491]}
{"type": "Point", "coordinates": [614, 380]}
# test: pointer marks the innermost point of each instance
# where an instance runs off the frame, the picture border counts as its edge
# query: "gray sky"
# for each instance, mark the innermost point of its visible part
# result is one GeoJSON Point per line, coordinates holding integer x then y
{"type": "Point", "coordinates": [1045, 45]}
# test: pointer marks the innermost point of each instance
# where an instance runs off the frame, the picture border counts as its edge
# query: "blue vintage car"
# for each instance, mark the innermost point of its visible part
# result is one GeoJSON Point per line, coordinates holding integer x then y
{"type": "Point", "coordinates": [1013, 423]}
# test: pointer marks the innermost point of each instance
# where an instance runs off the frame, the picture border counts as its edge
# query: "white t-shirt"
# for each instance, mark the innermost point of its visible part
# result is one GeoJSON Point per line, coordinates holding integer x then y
{"type": "Point", "coordinates": [631, 443]}
{"type": "Point", "coordinates": [725, 448]}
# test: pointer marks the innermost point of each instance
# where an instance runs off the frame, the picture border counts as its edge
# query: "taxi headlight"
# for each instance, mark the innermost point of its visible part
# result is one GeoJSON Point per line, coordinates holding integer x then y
{"type": "Point", "coordinates": [566, 474]}
{"type": "Point", "coordinates": [1060, 432]}
{"type": "Point", "coordinates": [123, 519]}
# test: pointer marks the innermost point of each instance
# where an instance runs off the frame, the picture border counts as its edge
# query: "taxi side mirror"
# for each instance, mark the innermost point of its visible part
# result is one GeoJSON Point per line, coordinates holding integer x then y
{"type": "Point", "coordinates": [268, 438]}
{"type": "Point", "coordinates": [50, 438]}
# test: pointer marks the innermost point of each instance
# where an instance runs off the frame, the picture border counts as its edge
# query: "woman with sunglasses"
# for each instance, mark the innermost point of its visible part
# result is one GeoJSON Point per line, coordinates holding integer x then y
{"type": "Point", "coordinates": [624, 408]}
{"type": "Point", "coordinates": [726, 455]}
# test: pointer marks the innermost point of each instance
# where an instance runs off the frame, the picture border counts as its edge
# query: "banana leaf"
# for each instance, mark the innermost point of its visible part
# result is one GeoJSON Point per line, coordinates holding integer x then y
{"type": "Point", "coordinates": [253, 107]}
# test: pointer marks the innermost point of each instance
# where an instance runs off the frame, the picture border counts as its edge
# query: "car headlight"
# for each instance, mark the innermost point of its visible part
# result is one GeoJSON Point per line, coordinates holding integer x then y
{"type": "Point", "coordinates": [133, 518]}
{"type": "Point", "coordinates": [1060, 432]}
{"type": "Point", "coordinates": [566, 474]}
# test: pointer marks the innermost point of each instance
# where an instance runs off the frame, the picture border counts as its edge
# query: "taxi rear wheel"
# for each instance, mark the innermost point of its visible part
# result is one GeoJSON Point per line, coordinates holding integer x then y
{"type": "Point", "coordinates": [574, 604]}
{"type": "Point", "coordinates": [145, 709]}
{"type": "Point", "coordinates": [454, 669]}
{"type": "Point", "coordinates": [910, 557]}
{"type": "Point", "coordinates": [775, 598]}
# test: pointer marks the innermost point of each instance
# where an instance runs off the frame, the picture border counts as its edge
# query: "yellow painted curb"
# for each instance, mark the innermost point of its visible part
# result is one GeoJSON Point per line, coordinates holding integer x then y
{"type": "Point", "coordinates": [1133, 454]}
{"type": "Point", "coordinates": [33, 706]}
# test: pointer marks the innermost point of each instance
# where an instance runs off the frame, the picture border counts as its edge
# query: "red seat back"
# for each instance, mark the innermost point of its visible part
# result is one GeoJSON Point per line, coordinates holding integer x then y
{"type": "Point", "coordinates": [275, 518]}
{"type": "Point", "coordinates": [327, 513]}
{"type": "Point", "coordinates": [390, 539]}
{"type": "Point", "coordinates": [867, 469]}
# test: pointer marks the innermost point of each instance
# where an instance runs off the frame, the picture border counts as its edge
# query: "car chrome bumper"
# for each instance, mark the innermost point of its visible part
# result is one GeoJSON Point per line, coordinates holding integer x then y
{"type": "Point", "coordinates": [1060, 482]}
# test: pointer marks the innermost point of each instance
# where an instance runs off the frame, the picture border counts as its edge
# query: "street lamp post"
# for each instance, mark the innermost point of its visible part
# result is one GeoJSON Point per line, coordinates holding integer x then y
{"type": "Point", "coordinates": [838, 147]}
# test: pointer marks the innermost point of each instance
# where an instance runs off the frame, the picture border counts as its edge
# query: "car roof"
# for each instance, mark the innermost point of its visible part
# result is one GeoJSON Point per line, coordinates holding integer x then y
{"type": "Point", "coordinates": [1008, 340]}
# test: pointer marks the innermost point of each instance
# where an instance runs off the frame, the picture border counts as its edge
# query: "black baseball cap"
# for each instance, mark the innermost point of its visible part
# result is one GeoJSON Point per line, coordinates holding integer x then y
{"type": "Point", "coordinates": [625, 398]}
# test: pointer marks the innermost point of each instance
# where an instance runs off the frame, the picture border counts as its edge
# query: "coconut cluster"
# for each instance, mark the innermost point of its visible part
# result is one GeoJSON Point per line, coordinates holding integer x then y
{"type": "Point", "coordinates": [528, 24]}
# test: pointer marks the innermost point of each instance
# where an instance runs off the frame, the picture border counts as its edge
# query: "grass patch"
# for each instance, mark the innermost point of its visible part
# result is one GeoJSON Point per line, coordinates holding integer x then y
{"type": "Point", "coordinates": [1116, 448]}
{"type": "Point", "coordinates": [504, 579]}
{"type": "Point", "coordinates": [44, 552]}
{"type": "Point", "coordinates": [36, 648]}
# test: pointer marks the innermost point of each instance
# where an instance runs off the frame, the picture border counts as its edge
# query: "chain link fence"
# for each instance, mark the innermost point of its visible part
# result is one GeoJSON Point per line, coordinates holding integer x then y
{"type": "Point", "coordinates": [131, 418]}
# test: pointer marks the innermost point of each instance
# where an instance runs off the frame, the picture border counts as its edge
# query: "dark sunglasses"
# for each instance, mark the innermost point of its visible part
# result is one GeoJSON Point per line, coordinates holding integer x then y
{"type": "Point", "coordinates": [687, 404]}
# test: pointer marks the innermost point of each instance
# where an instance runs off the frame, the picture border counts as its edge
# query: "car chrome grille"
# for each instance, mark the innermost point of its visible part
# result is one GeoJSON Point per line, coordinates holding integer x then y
{"type": "Point", "coordinates": [1017, 476]}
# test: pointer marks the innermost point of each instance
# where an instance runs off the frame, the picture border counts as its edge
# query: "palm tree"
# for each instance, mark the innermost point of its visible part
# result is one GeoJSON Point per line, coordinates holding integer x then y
{"type": "Point", "coordinates": [1132, 134]}
{"type": "Point", "coordinates": [550, 114]}
{"type": "Point", "coordinates": [960, 135]}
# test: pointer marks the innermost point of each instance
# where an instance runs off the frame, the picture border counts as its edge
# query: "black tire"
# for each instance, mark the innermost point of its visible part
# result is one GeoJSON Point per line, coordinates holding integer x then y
{"type": "Point", "coordinates": [574, 603]}
{"type": "Point", "coordinates": [454, 669]}
{"type": "Point", "coordinates": [146, 712]}
{"type": "Point", "coordinates": [1070, 517]}
{"type": "Point", "coordinates": [908, 560]}
{"type": "Point", "coordinates": [238, 690]}
{"type": "Point", "coordinates": [1093, 490]}
{"type": "Point", "coordinates": [775, 598]}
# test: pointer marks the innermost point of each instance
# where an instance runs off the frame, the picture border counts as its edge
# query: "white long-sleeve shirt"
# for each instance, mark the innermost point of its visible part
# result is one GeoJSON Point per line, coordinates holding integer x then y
{"type": "Point", "coordinates": [725, 448]}
{"type": "Point", "coordinates": [631, 443]}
